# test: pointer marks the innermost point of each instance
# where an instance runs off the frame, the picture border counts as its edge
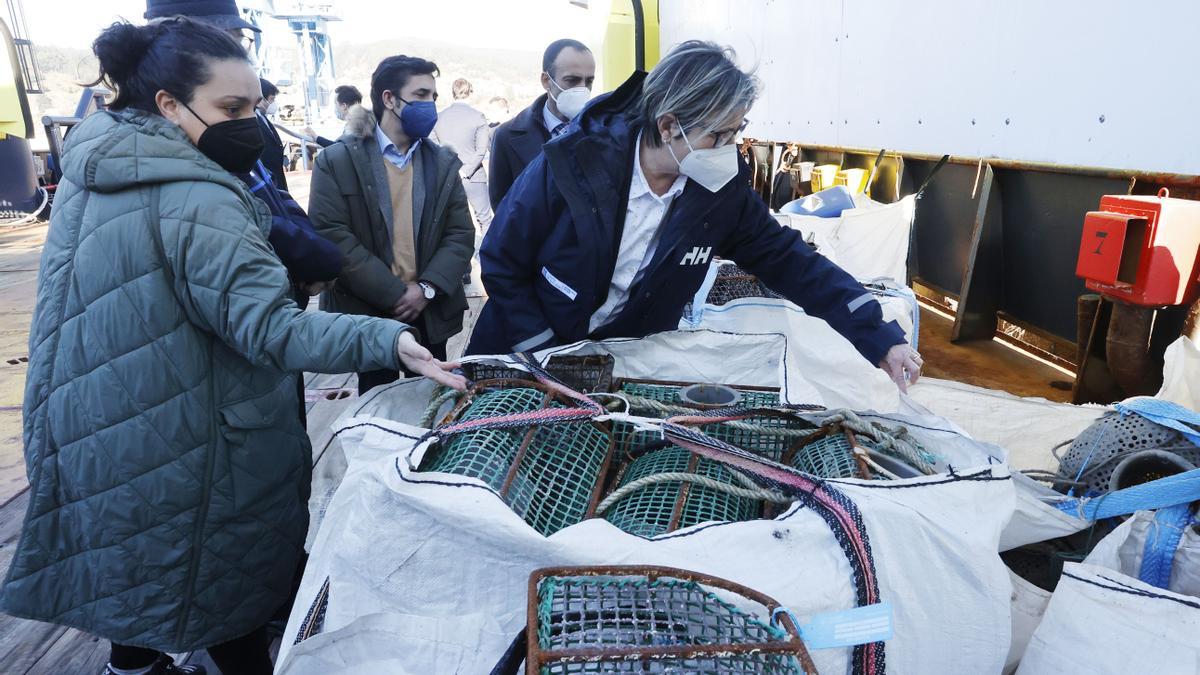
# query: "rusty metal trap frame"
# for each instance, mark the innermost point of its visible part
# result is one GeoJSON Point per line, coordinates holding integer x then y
{"type": "Point", "coordinates": [550, 475]}
{"type": "Point", "coordinates": [646, 619]}
{"type": "Point", "coordinates": [585, 374]}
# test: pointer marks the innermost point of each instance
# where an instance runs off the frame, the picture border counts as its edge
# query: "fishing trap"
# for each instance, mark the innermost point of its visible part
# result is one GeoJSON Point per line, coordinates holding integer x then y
{"type": "Point", "coordinates": [556, 473]}
{"type": "Point", "coordinates": [643, 619]}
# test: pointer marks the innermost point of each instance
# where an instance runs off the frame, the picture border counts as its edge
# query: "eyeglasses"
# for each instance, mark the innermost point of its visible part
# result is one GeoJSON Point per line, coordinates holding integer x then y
{"type": "Point", "coordinates": [726, 136]}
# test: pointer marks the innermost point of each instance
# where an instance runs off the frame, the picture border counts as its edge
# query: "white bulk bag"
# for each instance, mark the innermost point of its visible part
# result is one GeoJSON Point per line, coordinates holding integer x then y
{"type": "Point", "coordinates": [1101, 621]}
{"type": "Point", "coordinates": [406, 544]}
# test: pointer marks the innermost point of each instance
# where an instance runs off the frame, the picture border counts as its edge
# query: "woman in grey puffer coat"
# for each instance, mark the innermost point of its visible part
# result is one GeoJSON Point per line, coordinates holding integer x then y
{"type": "Point", "coordinates": [169, 470]}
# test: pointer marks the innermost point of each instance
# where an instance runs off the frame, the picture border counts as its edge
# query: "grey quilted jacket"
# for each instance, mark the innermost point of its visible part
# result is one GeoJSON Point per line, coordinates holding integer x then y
{"type": "Point", "coordinates": [168, 467]}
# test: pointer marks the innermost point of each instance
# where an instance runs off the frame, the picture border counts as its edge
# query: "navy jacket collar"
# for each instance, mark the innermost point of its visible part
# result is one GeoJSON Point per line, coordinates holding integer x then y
{"type": "Point", "coordinates": [591, 164]}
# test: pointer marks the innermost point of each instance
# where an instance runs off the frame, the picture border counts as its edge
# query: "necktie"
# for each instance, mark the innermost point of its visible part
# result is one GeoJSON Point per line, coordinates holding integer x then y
{"type": "Point", "coordinates": [558, 130]}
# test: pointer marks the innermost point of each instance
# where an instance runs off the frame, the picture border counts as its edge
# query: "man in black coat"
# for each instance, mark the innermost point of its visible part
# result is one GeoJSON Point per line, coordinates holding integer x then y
{"type": "Point", "coordinates": [568, 68]}
{"type": "Point", "coordinates": [273, 157]}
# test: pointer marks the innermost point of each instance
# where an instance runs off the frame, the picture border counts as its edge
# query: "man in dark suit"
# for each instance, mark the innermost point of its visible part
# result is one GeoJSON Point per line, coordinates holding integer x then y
{"type": "Point", "coordinates": [273, 157]}
{"type": "Point", "coordinates": [568, 71]}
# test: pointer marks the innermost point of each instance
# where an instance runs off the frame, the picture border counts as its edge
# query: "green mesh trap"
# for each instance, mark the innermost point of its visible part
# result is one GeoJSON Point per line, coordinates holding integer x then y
{"type": "Point", "coordinates": [830, 456]}
{"type": "Point", "coordinates": [763, 443]}
{"type": "Point", "coordinates": [547, 474]}
{"type": "Point", "coordinates": [667, 506]}
{"type": "Point", "coordinates": [650, 614]}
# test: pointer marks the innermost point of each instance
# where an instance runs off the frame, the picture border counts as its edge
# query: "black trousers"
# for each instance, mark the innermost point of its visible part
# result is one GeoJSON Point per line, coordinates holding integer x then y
{"type": "Point", "coordinates": [374, 378]}
{"type": "Point", "coordinates": [247, 655]}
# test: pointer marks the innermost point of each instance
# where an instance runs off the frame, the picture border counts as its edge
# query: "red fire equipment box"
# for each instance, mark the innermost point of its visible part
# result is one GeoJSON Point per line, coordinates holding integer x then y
{"type": "Point", "coordinates": [1142, 250]}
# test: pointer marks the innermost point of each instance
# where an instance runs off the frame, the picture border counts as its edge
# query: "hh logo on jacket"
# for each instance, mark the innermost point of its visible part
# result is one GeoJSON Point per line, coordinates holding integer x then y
{"type": "Point", "coordinates": [697, 256]}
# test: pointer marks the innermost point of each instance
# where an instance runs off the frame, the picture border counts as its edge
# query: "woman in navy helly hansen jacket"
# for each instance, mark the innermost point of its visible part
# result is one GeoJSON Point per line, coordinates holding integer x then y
{"type": "Point", "coordinates": [554, 253]}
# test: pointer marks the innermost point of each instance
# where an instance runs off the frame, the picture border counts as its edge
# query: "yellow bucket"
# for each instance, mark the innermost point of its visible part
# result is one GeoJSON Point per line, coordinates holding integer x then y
{"type": "Point", "coordinates": [823, 176]}
{"type": "Point", "coordinates": [855, 180]}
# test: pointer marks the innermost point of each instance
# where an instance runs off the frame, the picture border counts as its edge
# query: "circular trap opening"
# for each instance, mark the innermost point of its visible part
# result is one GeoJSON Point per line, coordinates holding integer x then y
{"type": "Point", "coordinates": [1147, 466]}
{"type": "Point", "coordinates": [710, 395]}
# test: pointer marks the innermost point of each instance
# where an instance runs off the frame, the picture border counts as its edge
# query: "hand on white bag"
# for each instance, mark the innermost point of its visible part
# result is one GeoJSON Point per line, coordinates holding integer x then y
{"type": "Point", "coordinates": [417, 359]}
{"type": "Point", "coordinates": [903, 365]}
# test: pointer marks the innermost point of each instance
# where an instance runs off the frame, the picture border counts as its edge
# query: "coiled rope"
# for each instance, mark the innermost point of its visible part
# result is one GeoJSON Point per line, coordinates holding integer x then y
{"type": "Point", "coordinates": [753, 492]}
{"type": "Point", "coordinates": [437, 399]}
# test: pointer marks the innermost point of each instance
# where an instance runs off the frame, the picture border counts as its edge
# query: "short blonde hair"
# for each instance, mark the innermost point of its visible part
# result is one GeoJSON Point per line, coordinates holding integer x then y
{"type": "Point", "coordinates": [700, 84]}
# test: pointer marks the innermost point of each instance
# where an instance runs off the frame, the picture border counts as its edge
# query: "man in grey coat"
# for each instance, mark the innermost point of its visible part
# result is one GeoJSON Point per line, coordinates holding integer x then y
{"type": "Point", "coordinates": [392, 200]}
{"type": "Point", "coordinates": [465, 130]}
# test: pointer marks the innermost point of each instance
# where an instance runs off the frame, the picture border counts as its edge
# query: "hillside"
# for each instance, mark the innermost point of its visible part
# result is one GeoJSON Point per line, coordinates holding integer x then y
{"type": "Point", "coordinates": [511, 74]}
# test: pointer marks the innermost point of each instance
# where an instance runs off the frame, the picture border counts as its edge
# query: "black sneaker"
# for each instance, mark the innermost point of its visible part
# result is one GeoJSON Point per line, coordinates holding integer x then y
{"type": "Point", "coordinates": [165, 665]}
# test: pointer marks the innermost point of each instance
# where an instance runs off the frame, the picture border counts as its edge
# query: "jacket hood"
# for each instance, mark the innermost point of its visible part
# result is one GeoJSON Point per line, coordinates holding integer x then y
{"type": "Point", "coordinates": [116, 150]}
{"type": "Point", "coordinates": [360, 122]}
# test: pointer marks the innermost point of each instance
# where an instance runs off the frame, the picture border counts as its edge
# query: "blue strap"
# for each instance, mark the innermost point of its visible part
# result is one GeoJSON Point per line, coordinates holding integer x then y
{"type": "Point", "coordinates": [1182, 488]}
{"type": "Point", "coordinates": [1166, 413]}
{"type": "Point", "coordinates": [1158, 556]}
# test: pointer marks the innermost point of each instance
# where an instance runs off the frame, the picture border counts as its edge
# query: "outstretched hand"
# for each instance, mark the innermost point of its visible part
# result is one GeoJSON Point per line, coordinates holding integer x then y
{"type": "Point", "coordinates": [903, 365]}
{"type": "Point", "coordinates": [417, 359]}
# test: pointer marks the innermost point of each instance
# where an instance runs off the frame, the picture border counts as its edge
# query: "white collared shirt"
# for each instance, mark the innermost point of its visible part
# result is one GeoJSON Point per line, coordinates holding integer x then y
{"type": "Point", "coordinates": [390, 152]}
{"type": "Point", "coordinates": [639, 239]}
{"type": "Point", "coordinates": [549, 119]}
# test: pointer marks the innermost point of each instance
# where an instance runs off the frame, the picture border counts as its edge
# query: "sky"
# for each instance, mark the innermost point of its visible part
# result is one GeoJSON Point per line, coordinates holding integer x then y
{"type": "Point", "coordinates": [522, 25]}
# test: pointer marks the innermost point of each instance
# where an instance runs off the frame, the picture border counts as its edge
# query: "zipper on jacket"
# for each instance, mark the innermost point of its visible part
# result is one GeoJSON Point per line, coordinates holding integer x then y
{"type": "Point", "coordinates": [205, 501]}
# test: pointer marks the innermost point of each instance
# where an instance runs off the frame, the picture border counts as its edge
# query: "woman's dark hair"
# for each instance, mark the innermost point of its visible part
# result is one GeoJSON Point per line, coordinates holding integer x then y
{"type": "Point", "coordinates": [268, 89]}
{"type": "Point", "coordinates": [171, 54]}
{"type": "Point", "coordinates": [348, 94]}
{"type": "Point", "coordinates": [392, 74]}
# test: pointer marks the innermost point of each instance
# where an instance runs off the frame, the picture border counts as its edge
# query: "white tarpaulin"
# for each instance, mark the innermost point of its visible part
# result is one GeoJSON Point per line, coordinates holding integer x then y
{"type": "Point", "coordinates": [869, 241]}
{"type": "Point", "coordinates": [428, 572]}
{"type": "Point", "coordinates": [1181, 374]}
{"type": "Point", "coordinates": [1028, 428]}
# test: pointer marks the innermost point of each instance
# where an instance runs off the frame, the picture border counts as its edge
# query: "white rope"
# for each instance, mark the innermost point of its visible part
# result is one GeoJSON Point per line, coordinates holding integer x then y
{"type": "Point", "coordinates": [859, 452]}
{"type": "Point", "coordinates": [31, 216]}
{"type": "Point", "coordinates": [685, 477]}
{"type": "Point", "coordinates": [647, 424]}
{"type": "Point", "coordinates": [619, 397]}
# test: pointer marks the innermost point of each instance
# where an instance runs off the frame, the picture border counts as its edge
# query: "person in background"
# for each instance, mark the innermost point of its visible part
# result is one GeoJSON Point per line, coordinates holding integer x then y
{"type": "Point", "coordinates": [497, 111]}
{"type": "Point", "coordinates": [628, 208]}
{"type": "Point", "coordinates": [345, 96]}
{"type": "Point", "coordinates": [465, 130]}
{"type": "Point", "coordinates": [568, 72]}
{"type": "Point", "coordinates": [273, 158]}
{"type": "Point", "coordinates": [393, 202]}
{"type": "Point", "coordinates": [169, 473]}
{"type": "Point", "coordinates": [223, 14]}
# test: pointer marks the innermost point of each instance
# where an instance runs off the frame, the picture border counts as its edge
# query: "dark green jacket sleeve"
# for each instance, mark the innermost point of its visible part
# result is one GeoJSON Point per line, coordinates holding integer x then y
{"type": "Point", "coordinates": [452, 258]}
{"type": "Point", "coordinates": [231, 284]}
{"type": "Point", "coordinates": [364, 274]}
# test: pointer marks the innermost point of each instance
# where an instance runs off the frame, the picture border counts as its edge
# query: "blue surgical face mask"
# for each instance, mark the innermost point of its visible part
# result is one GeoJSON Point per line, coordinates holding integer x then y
{"type": "Point", "coordinates": [417, 118]}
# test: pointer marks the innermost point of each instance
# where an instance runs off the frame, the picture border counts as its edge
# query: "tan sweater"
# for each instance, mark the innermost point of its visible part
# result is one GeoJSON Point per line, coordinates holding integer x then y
{"type": "Point", "coordinates": [404, 245]}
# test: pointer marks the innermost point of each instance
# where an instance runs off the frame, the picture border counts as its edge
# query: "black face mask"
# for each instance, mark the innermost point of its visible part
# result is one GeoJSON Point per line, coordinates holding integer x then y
{"type": "Point", "coordinates": [235, 145]}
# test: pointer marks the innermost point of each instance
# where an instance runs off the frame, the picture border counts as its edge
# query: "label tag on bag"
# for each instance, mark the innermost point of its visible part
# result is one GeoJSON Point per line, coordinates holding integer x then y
{"type": "Point", "coordinates": [850, 627]}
